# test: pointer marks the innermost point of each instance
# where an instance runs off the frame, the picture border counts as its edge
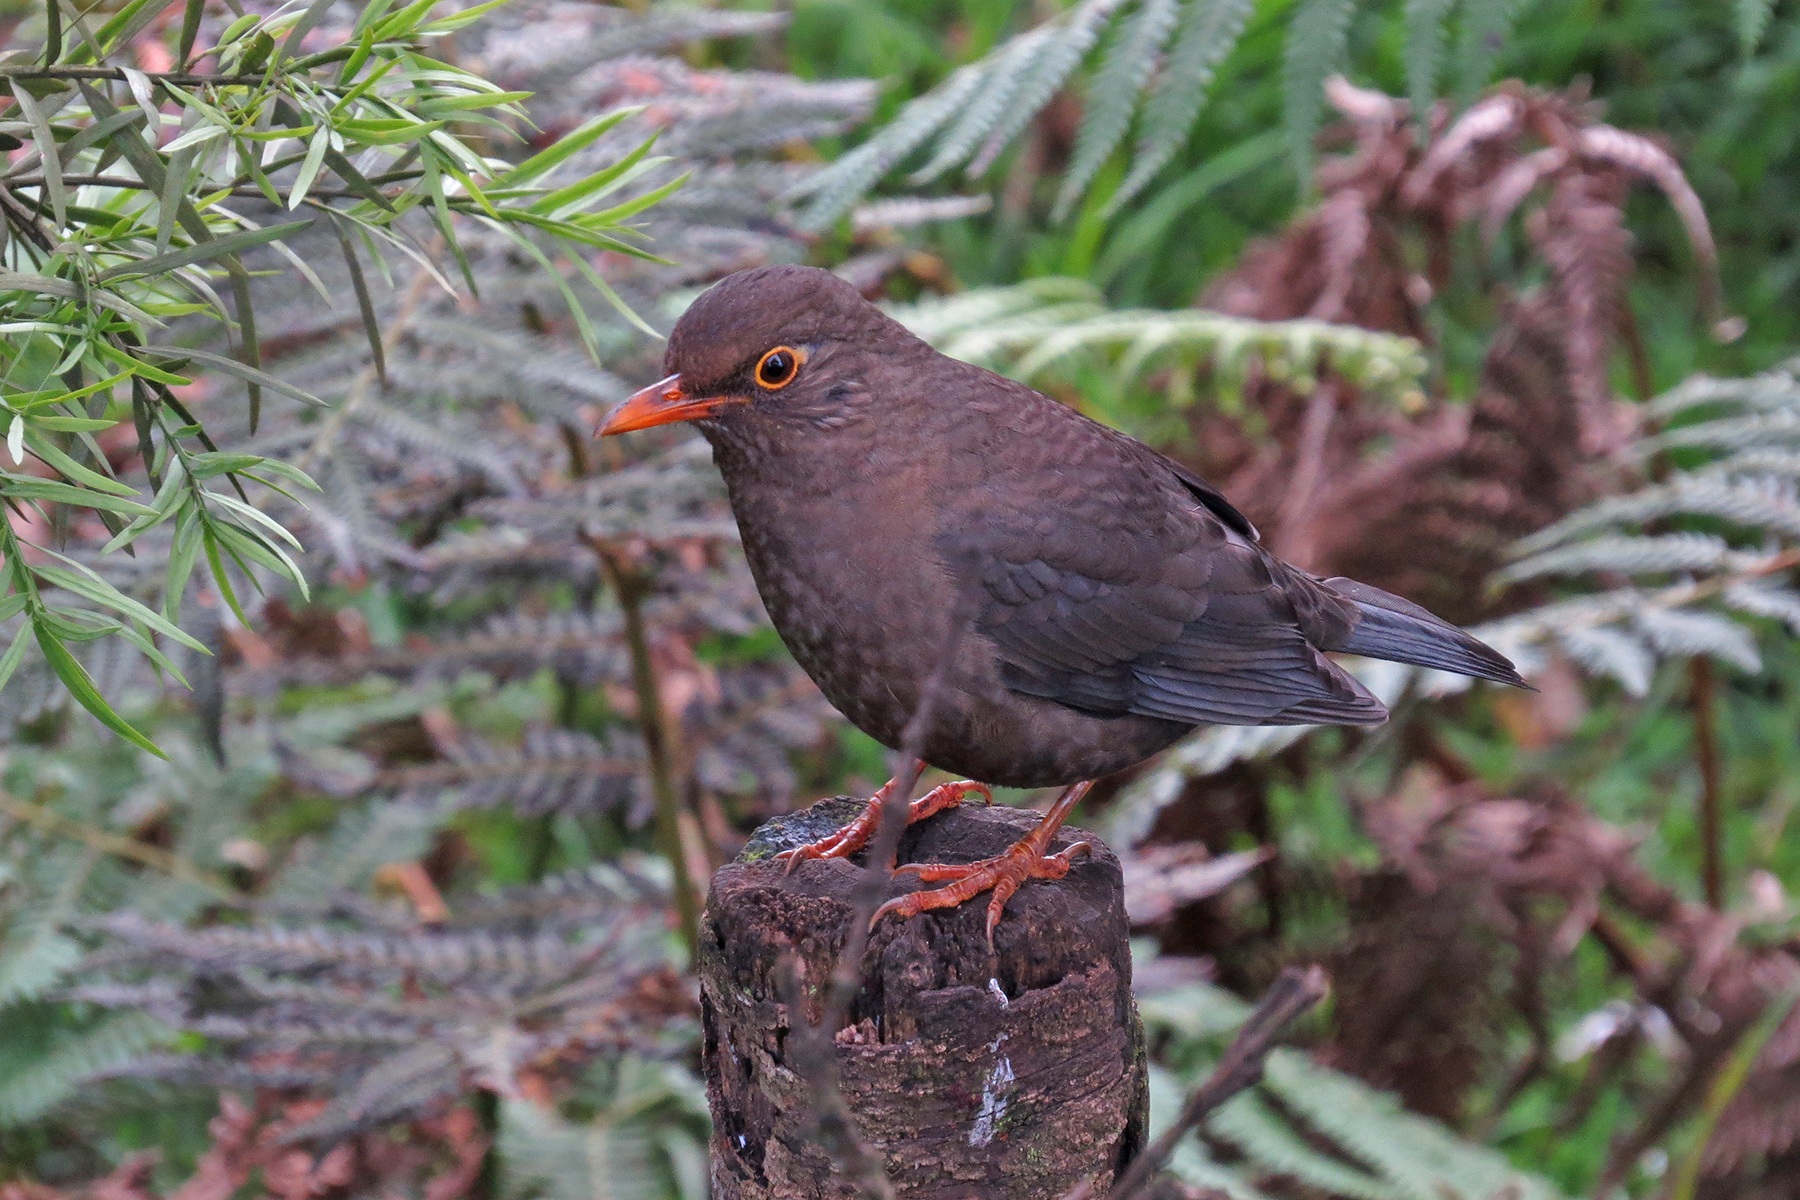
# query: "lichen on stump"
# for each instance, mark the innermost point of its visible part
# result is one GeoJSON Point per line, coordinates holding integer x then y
{"type": "Point", "coordinates": [1011, 1075]}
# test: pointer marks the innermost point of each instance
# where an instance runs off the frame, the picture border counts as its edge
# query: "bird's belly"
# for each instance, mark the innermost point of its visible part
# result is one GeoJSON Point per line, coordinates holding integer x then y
{"type": "Point", "coordinates": [872, 639]}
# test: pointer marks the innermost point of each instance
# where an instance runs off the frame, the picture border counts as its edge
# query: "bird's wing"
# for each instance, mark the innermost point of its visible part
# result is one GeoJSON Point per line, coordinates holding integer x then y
{"type": "Point", "coordinates": [1136, 599]}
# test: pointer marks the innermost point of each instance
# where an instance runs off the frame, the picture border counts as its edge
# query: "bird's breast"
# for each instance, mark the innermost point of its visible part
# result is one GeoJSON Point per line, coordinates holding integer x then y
{"type": "Point", "coordinates": [853, 584]}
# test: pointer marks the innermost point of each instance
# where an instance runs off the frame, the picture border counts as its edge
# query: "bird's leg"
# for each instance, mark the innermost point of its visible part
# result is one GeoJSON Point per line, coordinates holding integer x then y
{"type": "Point", "coordinates": [856, 834]}
{"type": "Point", "coordinates": [1002, 874]}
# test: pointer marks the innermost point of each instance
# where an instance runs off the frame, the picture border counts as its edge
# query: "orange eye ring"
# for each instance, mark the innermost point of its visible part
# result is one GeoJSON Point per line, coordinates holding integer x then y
{"type": "Point", "coordinates": [776, 369]}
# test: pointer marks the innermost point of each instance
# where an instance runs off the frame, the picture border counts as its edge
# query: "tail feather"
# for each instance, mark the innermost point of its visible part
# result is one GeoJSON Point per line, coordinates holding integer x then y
{"type": "Point", "coordinates": [1400, 631]}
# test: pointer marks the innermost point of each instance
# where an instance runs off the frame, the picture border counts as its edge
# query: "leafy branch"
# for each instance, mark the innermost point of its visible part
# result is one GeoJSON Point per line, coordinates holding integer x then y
{"type": "Point", "coordinates": [139, 193]}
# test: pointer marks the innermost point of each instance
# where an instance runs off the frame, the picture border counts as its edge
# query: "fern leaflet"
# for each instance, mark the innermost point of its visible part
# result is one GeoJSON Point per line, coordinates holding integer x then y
{"type": "Point", "coordinates": [1315, 49]}
{"type": "Point", "coordinates": [1209, 30]}
{"type": "Point", "coordinates": [1123, 75]}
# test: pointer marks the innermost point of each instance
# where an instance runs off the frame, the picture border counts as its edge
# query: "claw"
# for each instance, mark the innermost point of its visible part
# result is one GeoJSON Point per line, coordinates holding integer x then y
{"type": "Point", "coordinates": [1002, 875]}
{"type": "Point", "coordinates": [854, 836]}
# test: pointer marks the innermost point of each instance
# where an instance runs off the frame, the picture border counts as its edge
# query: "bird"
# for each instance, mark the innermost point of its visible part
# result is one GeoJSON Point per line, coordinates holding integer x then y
{"type": "Point", "coordinates": [1064, 600]}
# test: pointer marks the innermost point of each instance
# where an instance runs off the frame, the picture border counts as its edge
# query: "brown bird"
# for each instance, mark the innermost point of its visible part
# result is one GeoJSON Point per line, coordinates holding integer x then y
{"type": "Point", "coordinates": [1089, 600]}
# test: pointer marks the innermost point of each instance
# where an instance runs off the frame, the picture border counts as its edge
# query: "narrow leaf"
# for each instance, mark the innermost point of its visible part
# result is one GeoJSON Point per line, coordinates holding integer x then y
{"type": "Point", "coordinates": [74, 676]}
{"type": "Point", "coordinates": [309, 169]}
{"type": "Point", "coordinates": [45, 137]}
{"type": "Point", "coordinates": [365, 305]}
{"type": "Point", "coordinates": [240, 370]}
{"type": "Point", "coordinates": [231, 243]}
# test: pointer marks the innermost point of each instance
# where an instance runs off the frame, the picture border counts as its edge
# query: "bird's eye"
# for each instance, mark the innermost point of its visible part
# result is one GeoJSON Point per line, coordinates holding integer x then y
{"type": "Point", "coordinates": [777, 368]}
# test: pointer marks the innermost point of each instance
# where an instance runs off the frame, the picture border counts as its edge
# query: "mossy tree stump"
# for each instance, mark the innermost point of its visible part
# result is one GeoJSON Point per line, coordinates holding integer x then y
{"type": "Point", "coordinates": [1011, 1075]}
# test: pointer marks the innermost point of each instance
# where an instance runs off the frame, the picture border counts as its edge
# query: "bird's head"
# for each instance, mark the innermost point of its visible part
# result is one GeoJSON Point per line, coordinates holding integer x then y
{"type": "Point", "coordinates": [786, 343]}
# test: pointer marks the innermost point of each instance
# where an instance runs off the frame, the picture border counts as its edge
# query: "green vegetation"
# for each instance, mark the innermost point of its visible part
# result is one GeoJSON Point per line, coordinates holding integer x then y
{"type": "Point", "coordinates": [341, 846]}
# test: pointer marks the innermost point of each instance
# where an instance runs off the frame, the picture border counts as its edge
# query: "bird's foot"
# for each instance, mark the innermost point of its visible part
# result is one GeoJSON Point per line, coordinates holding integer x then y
{"type": "Point", "coordinates": [854, 836]}
{"type": "Point", "coordinates": [1002, 875]}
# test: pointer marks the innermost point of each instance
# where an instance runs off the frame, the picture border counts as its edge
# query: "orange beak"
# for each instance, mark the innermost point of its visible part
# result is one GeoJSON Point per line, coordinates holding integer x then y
{"type": "Point", "coordinates": [662, 403]}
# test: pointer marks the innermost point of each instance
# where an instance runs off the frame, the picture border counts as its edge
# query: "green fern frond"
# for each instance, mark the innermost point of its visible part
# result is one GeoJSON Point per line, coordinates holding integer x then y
{"type": "Point", "coordinates": [1208, 32]}
{"type": "Point", "coordinates": [1632, 555]}
{"type": "Point", "coordinates": [1051, 67]}
{"type": "Point", "coordinates": [644, 1141]}
{"type": "Point", "coordinates": [1752, 21]}
{"type": "Point", "coordinates": [1322, 1129]}
{"type": "Point", "coordinates": [837, 188]}
{"type": "Point", "coordinates": [1034, 329]}
{"type": "Point", "coordinates": [1114, 95]}
{"type": "Point", "coordinates": [1427, 35]}
{"type": "Point", "coordinates": [1691, 632]}
{"type": "Point", "coordinates": [1422, 1159]}
{"type": "Point", "coordinates": [1265, 1139]}
{"type": "Point", "coordinates": [66, 1055]}
{"type": "Point", "coordinates": [1485, 26]}
{"type": "Point", "coordinates": [1315, 50]}
{"type": "Point", "coordinates": [1005, 75]}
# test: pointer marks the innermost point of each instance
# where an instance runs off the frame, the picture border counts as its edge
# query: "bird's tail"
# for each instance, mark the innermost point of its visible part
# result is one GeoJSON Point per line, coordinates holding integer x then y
{"type": "Point", "coordinates": [1400, 631]}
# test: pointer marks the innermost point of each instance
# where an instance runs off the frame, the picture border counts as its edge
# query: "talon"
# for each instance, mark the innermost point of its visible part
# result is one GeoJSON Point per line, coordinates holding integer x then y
{"type": "Point", "coordinates": [1002, 875]}
{"type": "Point", "coordinates": [853, 837]}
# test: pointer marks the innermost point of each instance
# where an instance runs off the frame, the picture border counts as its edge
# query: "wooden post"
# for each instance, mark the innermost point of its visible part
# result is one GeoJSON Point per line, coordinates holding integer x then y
{"type": "Point", "coordinates": [1015, 1075]}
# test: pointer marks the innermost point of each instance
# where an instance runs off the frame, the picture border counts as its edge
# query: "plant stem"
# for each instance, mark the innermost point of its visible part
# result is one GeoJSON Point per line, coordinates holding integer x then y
{"type": "Point", "coordinates": [1706, 751]}
{"type": "Point", "coordinates": [106, 841]}
{"type": "Point", "coordinates": [178, 78]}
{"type": "Point", "coordinates": [630, 586]}
{"type": "Point", "coordinates": [1292, 995]}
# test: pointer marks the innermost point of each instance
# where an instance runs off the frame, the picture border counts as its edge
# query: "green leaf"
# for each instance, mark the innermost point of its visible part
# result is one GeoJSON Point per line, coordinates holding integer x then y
{"type": "Point", "coordinates": [1425, 23]}
{"type": "Point", "coordinates": [239, 370]}
{"type": "Point", "coordinates": [26, 487]}
{"type": "Point", "coordinates": [458, 20]}
{"type": "Point", "coordinates": [1485, 26]}
{"type": "Point", "coordinates": [365, 305]}
{"type": "Point", "coordinates": [1114, 94]}
{"type": "Point", "coordinates": [230, 243]}
{"type": "Point", "coordinates": [309, 169]}
{"type": "Point", "coordinates": [619, 172]}
{"type": "Point", "coordinates": [128, 22]}
{"type": "Point", "coordinates": [1315, 49]}
{"type": "Point", "coordinates": [75, 677]}
{"type": "Point", "coordinates": [1208, 31]}
{"type": "Point", "coordinates": [45, 137]}
{"type": "Point", "coordinates": [83, 582]}
{"type": "Point", "coordinates": [309, 20]}
{"type": "Point", "coordinates": [564, 148]}
{"type": "Point", "coordinates": [15, 653]}
{"type": "Point", "coordinates": [220, 579]}
{"type": "Point", "coordinates": [53, 455]}
{"type": "Point", "coordinates": [184, 551]}
{"type": "Point", "coordinates": [169, 200]}
{"type": "Point", "coordinates": [1752, 20]}
{"type": "Point", "coordinates": [52, 31]}
{"type": "Point", "coordinates": [404, 22]}
{"type": "Point", "coordinates": [191, 12]}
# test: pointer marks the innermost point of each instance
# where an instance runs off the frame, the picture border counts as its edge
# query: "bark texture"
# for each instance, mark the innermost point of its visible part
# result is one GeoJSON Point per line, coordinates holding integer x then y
{"type": "Point", "coordinates": [1007, 1076]}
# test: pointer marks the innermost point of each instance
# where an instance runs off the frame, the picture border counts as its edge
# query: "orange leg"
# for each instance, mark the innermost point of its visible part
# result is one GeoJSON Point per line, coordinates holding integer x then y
{"type": "Point", "coordinates": [1002, 875]}
{"type": "Point", "coordinates": [856, 834]}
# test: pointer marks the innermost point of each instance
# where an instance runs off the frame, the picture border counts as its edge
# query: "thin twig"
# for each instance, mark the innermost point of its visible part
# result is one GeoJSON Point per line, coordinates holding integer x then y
{"type": "Point", "coordinates": [630, 586]}
{"type": "Point", "coordinates": [105, 840]}
{"type": "Point", "coordinates": [178, 78]}
{"type": "Point", "coordinates": [1293, 994]}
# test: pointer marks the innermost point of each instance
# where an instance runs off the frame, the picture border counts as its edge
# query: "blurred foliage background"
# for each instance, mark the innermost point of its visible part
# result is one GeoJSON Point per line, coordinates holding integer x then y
{"type": "Point", "coordinates": [389, 894]}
